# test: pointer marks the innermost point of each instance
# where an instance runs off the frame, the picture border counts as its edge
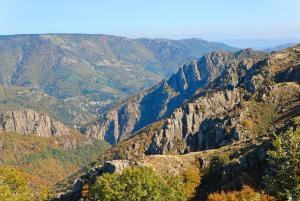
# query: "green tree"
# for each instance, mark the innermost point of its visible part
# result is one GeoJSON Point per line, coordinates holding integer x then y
{"type": "Point", "coordinates": [283, 180]}
{"type": "Point", "coordinates": [136, 184]}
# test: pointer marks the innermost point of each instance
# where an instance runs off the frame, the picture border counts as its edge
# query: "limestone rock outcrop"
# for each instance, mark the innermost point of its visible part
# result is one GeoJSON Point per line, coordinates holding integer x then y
{"type": "Point", "coordinates": [144, 108]}
{"type": "Point", "coordinates": [26, 121]}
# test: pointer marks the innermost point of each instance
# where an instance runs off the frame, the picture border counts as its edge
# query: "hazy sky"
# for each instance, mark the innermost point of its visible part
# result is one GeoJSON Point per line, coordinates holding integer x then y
{"type": "Point", "coordinates": [207, 19]}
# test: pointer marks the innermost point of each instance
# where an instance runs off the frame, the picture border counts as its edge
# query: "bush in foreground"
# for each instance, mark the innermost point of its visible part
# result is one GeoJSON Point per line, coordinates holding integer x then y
{"type": "Point", "coordinates": [136, 184]}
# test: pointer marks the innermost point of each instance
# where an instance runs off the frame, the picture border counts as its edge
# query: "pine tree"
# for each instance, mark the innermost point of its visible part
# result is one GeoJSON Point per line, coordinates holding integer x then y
{"type": "Point", "coordinates": [283, 179]}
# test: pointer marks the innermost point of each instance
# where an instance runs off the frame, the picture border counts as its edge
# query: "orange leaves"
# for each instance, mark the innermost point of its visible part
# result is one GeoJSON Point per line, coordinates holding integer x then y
{"type": "Point", "coordinates": [246, 194]}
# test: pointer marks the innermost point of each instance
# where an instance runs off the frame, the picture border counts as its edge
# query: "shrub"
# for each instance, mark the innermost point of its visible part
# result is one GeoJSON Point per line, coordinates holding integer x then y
{"type": "Point", "coordinates": [220, 160]}
{"type": "Point", "coordinates": [119, 156]}
{"type": "Point", "coordinates": [136, 184]}
{"type": "Point", "coordinates": [85, 191]}
{"type": "Point", "coordinates": [248, 123]}
{"type": "Point", "coordinates": [246, 194]}
{"type": "Point", "coordinates": [202, 109]}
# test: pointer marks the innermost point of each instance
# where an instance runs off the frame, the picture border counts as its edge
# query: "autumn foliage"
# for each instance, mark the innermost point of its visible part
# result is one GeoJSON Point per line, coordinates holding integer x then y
{"type": "Point", "coordinates": [246, 194]}
{"type": "Point", "coordinates": [15, 185]}
{"type": "Point", "coordinates": [191, 180]}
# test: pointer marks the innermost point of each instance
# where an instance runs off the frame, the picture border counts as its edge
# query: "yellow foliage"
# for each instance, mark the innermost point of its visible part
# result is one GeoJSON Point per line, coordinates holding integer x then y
{"type": "Point", "coordinates": [191, 179]}
{"type": "Point", "coordinates": [16, 185]}
{"type": "Point", "coordinates": [248, 123]}
{"type": "Point", "coordinates": [85, 191]}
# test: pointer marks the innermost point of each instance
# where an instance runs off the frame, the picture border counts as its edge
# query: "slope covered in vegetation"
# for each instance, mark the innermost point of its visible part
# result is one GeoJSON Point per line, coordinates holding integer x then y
{"type": "Point", "coordinates": [49, 160]}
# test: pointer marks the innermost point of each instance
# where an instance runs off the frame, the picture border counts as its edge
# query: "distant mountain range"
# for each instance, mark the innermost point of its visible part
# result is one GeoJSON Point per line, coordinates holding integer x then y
{"type": "Point", "coordinates": [260, 43]}
{"type": "Point", "coordinates": [279, 47]}
{"type": "Point", "coordinates": [80, 75]}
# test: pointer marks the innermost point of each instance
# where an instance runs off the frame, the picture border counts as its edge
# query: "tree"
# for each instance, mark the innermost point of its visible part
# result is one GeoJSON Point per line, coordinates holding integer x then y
{"type": "Point", "coordinates": [191, 179]}
{"type": "Point", "coordinates": [283, 179]}
{"type": "Point", "coordinates": [136, 184]}
{"type": "Point", "coordinates": [15, 185]}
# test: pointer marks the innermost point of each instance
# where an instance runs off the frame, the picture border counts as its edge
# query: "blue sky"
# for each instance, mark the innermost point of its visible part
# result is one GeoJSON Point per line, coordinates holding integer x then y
{"type": "Point", "coordinates": [207, 19]}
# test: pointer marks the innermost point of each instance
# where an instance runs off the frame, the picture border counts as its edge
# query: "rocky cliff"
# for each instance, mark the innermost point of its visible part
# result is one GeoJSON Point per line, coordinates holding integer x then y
{"type": "Point", "coordinates": [144, 108]}
{"type": "Point", "coordinates": [233, 115]}
{"type": "Point", "coordinates": [31, 122]}
{"type": "Point", "coordinates": [243, 103]}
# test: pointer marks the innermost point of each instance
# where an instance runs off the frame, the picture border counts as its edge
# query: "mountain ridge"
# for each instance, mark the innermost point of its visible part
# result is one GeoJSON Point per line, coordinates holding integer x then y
{"type": "Point", "coordinates": [91, 72]}
{"type": "Point", "coordinates": [159, 101]}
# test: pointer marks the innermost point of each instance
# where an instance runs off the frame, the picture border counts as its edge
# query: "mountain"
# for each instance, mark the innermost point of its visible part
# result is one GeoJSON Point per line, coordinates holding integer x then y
{"type": "Point", "coordinates": [225, 127]}
{"type": "Point", "coordinates": [259, 43]}
{"type": "Point", "coordinates": [88, 73]}
{"type": "Point", "coordinates": [170, 53]}
{"type": "Point", "coordinates": [144, 108]}
{"type": "Point", "coordinates": [244, 102]}
{"type": "Point", "coordinates": [279, 47]}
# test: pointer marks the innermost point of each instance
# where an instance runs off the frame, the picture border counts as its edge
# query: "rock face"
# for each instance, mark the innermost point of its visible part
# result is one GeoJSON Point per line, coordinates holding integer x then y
{"type": "Point", "coordinates": [241, 104]}
{"type": "Point", "coordinates": [144, 108]}
{"type": "Point", "coordinates": [234, 104]}
{"type": "Point", "coordinates": [31, 122]}
{"type": "Point", "coordinates": [190, 127]}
